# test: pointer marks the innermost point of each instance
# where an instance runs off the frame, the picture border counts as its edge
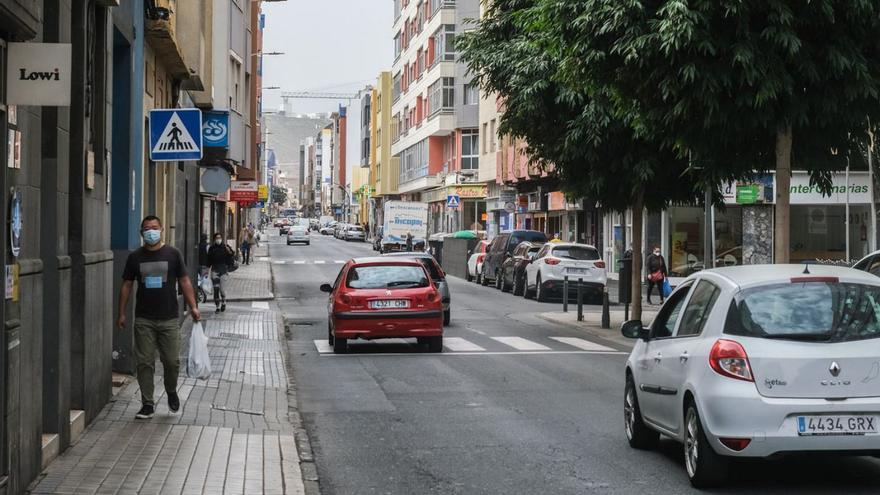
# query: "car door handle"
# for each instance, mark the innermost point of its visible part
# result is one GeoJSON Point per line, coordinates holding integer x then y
{"type": "Point", "coordinates": [658, 357]}
{"type": "Point", "coordinates": [684, 357]}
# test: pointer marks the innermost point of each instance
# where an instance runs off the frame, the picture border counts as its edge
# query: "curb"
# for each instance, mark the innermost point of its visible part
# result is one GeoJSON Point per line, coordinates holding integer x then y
{"type": "Point", "coordinates": [583, 327]}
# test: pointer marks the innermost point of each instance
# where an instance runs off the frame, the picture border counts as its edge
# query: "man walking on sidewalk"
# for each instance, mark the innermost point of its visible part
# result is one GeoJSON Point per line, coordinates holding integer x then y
{"type": "Point", "coordinates": [158, 270]}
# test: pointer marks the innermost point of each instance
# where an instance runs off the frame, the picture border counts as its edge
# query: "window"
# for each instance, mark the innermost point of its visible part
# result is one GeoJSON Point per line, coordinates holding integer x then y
{"type": "Point", "coordinates": [698, 309]}
{"type": "Point", "coordinates": [235, 85]}
{"type": "Point", "coordinates": [471, 94]}
{"type": "Point", "coordinates": [441, 95]}
{"type": "Point", "coordinates": [580, 253]}
{"type": "Point", "coordinates": [470, 149]}
{"type": "Point", "coordinates": [386, 277]}
{"type": "Point", "coordinates": [666, 320]}
{"type": "Point", "coordinates": [493, 137]}
{"type": "Point", "coordinates": [485, 132]}
{"type": "Point", "coordinates": [826, 312]}
{"type": "Point", "coordinates": [398, 46]}
{"type": "Point", "coordinates": [395, 88]}
{"type": "Point", "coordinates": [444, 43]}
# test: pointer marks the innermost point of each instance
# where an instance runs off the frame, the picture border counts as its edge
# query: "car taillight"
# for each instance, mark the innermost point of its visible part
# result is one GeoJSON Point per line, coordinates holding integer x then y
{"type": "Point", "coordinates": [728, 358]}
{"type": "Point", "coordinates": [552, 261]}
{"type": "Point", "coordinates": [599, 264]}
{"type": "Point", "coordinates": [433, 296]}
{"type": "Point", "coordinates": [345, 299]}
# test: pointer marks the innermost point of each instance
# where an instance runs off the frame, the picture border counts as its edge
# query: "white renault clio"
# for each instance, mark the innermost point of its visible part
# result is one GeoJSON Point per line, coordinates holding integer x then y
{"type": "Point", "coordinates": [755, 361]}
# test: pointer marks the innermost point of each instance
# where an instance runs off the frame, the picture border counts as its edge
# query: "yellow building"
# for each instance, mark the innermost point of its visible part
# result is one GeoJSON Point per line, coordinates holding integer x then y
{"type": "Point", "coordinates": [384, 168]}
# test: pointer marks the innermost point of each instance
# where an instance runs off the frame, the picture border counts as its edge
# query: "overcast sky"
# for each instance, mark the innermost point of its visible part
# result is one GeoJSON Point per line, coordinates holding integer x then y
{"type": "Point", "coordinates": [329, 46]}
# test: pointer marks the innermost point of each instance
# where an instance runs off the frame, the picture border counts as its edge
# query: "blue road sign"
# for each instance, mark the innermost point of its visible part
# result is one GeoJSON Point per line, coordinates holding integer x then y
{"type": "Point", "coordinates": [175, 134]}
{"type": "Point", "coordinates": [215, 129]}
{"type": "Point", "coordinates": [453, 201]}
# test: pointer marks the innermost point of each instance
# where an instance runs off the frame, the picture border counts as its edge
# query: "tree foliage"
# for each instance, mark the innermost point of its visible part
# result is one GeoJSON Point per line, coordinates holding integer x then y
{"type": "Point", "coordinates": [279, 195]}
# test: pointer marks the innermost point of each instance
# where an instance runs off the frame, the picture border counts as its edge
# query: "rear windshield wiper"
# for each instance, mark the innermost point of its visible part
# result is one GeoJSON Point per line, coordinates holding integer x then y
{"type": "Point", "coordinates": [809, 337]}
{"type": "Point", "coordinates": [402, 282]}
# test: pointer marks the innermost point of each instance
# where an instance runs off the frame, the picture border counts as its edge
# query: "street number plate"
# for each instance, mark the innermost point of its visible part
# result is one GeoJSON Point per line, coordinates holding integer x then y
{"type": "Point", "coordinates": [837, 425]}
{"type": "Point", "coordinates": [578, 271]}
{"type": "Point", "coordinates": [390, 304]}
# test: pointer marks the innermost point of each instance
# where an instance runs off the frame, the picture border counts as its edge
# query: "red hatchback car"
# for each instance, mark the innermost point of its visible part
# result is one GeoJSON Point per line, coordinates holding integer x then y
{"type": "Point", "coordinates": [379, 298]}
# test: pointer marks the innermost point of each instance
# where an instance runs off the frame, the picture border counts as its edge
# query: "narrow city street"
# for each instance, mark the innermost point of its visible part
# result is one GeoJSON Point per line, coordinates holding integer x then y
{"type": "Point", "coordinates": [515, 404]}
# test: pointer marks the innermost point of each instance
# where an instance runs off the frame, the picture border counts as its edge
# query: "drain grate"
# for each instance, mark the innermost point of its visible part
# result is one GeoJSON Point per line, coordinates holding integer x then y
{"type": "Point", "coordinates": [228, 335]}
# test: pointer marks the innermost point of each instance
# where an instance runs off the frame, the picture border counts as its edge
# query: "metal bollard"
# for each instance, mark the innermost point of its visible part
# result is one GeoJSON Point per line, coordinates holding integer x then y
{"type": "Point", "coordinates": [606, 314]}
{"type": "Point", "coordinates": [580, 300]}
{"type": "Point", "coordinates": [565, 294]}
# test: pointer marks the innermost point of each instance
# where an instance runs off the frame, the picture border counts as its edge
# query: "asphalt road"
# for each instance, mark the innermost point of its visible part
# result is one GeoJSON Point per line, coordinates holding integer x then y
{"type": "Point", "coordinates": [510, 418]}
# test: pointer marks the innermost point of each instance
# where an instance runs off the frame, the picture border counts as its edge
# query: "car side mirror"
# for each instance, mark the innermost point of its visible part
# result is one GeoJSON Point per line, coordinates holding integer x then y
{"type": "Point", "coordinates": [633, 329]}
{"type": "Point", "coordinates": [326, 288]}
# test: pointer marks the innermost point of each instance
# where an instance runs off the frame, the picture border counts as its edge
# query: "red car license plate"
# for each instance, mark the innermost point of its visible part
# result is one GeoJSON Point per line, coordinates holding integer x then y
{"type": "Point", "coordinates": [390, 304]}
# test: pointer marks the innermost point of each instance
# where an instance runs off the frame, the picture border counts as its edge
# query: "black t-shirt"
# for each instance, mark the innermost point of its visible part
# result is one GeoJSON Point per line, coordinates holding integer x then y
{"type": "Point", "coordinates": [156, 273]}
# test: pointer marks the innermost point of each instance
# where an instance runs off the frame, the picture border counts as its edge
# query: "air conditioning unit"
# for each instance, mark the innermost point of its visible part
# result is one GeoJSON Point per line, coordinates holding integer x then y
{"type": "Point", "coordinates": [468, 173]}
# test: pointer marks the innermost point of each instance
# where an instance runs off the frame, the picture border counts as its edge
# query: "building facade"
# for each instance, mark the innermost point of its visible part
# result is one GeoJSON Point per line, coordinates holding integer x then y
{"type": "Point", "coordinates": [435, 114]}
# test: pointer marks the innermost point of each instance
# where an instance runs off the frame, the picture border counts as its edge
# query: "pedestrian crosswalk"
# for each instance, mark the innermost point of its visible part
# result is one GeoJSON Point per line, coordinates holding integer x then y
{"type": "Point", "coordinates": [486, 346]}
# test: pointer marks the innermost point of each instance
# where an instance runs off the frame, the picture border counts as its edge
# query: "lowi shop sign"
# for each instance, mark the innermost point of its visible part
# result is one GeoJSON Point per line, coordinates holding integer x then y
{"type": "Point", "coordinates": [38, 74]}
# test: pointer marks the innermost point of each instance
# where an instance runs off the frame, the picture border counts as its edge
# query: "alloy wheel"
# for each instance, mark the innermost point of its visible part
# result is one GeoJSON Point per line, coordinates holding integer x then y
{"type": "Point", "coordinates": [691, 442]}
{"type": "Point", "coordinates": [629, 412]}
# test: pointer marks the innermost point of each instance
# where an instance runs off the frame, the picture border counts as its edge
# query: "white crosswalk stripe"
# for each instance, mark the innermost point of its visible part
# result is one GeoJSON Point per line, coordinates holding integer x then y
{"type": "Point", "coordinates": [459, 344]}
{"type": "Point", "coordinates": [339, 262]}
{"type": "Point", "coordinates": [299, 262]}
{"type": "Point", "coordinates": [323, 346]}
{"type": "Point", "coordinates": [319, 262]}
{"type": "Point", "coordinates": [260, 305]}
{"type": "Point", "coordinates": [521, 344]}
{"type": "Point", "coordinates": [582, 344]}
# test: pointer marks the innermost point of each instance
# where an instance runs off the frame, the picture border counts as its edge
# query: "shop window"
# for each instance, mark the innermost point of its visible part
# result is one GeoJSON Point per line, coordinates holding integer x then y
{"type": "Point", "coordinates": [728, 236]}
{"type": "Point", "coordinates": [686, 227]}
{"type": "Point", "coordinates": [819, 233]}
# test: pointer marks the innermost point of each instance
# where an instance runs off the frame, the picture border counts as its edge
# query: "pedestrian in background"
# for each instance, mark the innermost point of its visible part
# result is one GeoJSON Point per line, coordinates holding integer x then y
{"type": "Point", "coordinates": [409, 242]}
{"type": "Point", "coordinates": [244, 238]}
{"type": "Point", "coordinates": [220, 258]}
{"type": "Point", "coordinates": [159, 270]}
{"type": "Point", "coordinates": [555, 238]}
{"type": "Point", "coordinates": [656, 266]}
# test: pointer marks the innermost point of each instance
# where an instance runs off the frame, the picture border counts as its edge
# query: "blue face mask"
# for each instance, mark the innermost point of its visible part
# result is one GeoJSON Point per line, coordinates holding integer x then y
{"type": "Point", "coordinates": [152, 237]}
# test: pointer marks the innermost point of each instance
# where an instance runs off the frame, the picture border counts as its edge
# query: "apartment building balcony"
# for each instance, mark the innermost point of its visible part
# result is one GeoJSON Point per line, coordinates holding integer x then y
{"type": "Point", "coordinates": [160, 31]}
{"type": "Point", "coordinates": [420, 184]}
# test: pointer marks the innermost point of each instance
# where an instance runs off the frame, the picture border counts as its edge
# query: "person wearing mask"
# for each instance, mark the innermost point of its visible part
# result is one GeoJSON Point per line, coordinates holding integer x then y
{"type": "Point", "coordinates": [220, 257]}
{"type": "Point", "coordinates": [159, 270]}
{"type": "Point", "coordinates": [656, 266]}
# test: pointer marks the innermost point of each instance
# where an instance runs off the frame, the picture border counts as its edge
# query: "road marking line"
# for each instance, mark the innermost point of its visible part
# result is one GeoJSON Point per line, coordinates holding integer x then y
{"type": "Point", "coordinates": [521, 344]}
{"type": "Point", "coordinates": [280, 262]}
{"type": "Point", "coordinates": [487, 353]}
{"type": "Point", "coordinates": [319, 262]}
{"type": "Point", "coordinates": [260, 305]}
{"type": "Point", "coordinates": [299, 262]}
{"type": "Point", "coordinates": [582, 344]}
{"type": "Point", "coordinates": [460, 344]}
{"type": "Point", "coordinates": [339, 262]}
{"type": "Point", "coordinates": [323, 346]}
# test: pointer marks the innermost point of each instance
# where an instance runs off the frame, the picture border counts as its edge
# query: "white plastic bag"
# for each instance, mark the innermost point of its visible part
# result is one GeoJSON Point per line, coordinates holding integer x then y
{"type": "Point", "coordinates": [207, 285]}
{"type": "Point", "coordinates": [199, 363]}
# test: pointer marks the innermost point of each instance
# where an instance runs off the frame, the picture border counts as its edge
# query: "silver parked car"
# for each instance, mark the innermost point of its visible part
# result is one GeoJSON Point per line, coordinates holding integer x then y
{"type": "Point", "coordinates": [437, 275]}
{"type": "Point", "coordinates": [759, 360]}
{"type": "Point", "coordinates": [355, 233]}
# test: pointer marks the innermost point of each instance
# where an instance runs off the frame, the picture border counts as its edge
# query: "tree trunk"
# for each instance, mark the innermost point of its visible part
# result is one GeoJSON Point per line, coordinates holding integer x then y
{"type": "Point", "coordinates": [782, 223]}
{"type": "Point", "coordinates": [638, 255]}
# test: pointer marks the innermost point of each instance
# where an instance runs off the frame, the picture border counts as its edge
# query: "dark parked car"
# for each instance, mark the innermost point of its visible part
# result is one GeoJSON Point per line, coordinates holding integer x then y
{"type": "Point", "coordinates": [437, 275]}
{"type": "Point", "coordinates": [513, 270]}
{"type": "Point", "coordinates": [502, 247]}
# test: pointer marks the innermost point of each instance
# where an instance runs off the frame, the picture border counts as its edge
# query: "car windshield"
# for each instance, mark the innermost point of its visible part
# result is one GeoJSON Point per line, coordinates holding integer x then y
{"type": "Point", "coordinates": [528, 236]}
{"type": "Point", "coordinates": [810, 311]}
{"type": "Point", "coordinates": [355, 229]}
{"type": "Point", "coordinates": [581, 253]}
{"type": "Point", "coordinates": [386, 277]}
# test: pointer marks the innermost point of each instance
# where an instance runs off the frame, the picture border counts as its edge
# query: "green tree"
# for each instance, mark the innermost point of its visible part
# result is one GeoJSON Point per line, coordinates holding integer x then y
{"type": "Point", "coordinates": [736, 85]}
{"type": "Point", "coordinates": [591, 142]}
{"type": "Point", "coordinates": [279, 195]}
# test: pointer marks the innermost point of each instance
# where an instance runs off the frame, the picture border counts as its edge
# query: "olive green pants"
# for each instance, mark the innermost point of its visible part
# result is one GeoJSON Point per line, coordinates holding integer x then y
{"type": "Point", "coordinates": [150, 335]}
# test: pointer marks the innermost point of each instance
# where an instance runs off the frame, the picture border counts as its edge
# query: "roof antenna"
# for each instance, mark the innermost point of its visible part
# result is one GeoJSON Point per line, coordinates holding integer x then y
{"type": "Point", "coordinates": [806, 269]}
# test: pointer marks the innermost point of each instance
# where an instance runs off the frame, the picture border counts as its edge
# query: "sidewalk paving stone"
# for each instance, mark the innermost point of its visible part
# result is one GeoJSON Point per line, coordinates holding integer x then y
{"type": "Point", "coordinates": [232, 434]}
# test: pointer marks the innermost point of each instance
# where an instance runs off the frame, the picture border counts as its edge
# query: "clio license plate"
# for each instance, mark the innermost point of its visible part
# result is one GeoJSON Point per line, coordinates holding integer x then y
{"type": "Point", "coordinates": [837, 425]}
{"type": "Point", "coordinates": [390, 304]}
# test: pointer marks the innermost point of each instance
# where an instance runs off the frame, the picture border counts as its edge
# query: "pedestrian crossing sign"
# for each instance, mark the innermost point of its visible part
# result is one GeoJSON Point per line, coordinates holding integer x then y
{"type": "Point", "coordinates": [453, 201]}
{"type": "Point", "coordinates": [175, 134]}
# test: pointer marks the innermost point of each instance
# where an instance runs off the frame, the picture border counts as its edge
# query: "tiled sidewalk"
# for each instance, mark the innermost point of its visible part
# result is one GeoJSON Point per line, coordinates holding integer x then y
{"type": "Point", "coordinates": [251, 282]}
{"type": "Point", "coordinates": [232, 434]}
